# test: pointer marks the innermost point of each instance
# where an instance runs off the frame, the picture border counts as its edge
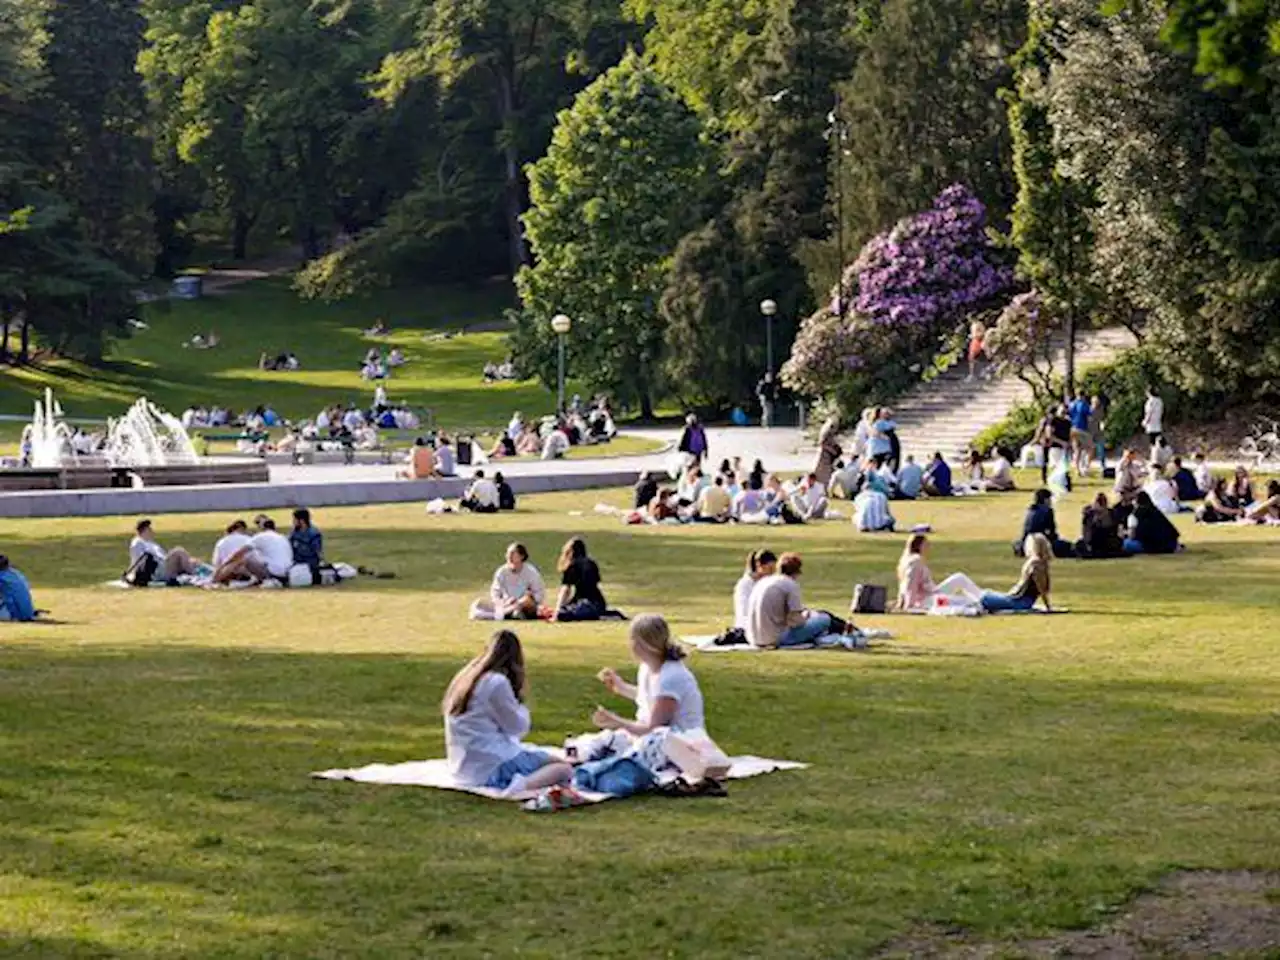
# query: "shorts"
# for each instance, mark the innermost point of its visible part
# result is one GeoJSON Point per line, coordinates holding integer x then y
{"type": "Point", "coordinates": [1082, 437]}
{"type": "Point", "coordinates": [521, 765]}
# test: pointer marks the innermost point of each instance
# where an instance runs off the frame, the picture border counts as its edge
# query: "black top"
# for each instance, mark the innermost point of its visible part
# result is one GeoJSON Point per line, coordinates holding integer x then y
{"type": "Point", "coordinates": [584, 576]}
{"type": "Point", "coordinates": [1099, 535]}
{"type": "Point", "coordinates": [506, 496]}
{"type": "Point", "coordinates": [1060, 428]}
{"type": "Point", "coordinates": [1185, 481]}
{"type": "Point", "coordinates": [1155, 531]}
{"type": "Point", "coordinates": [646, 490]}
{"type": "Point", "coordinates": [1040, 519]}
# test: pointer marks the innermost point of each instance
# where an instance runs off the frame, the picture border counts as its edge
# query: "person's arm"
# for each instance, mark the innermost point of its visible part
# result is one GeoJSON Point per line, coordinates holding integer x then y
{"type": "Point", "coordinates": [497, 592]}
{"type": "Point", "coordinates": [510, 714]}
{"type": "Point", "coordinates": [562, 598]}
{"type": "Point", "coordinates": [616, 685]}
{"type": "Point", "coordinates": [661, 714]}
{"type": "Point", "coordinates": [537, 589]}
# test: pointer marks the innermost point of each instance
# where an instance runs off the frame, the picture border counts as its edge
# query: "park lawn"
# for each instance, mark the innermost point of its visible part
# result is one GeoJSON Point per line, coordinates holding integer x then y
{"type": "Point", "coordinates": [267, 316]}
{"type": "Point", "coordinates": [1006, 775]}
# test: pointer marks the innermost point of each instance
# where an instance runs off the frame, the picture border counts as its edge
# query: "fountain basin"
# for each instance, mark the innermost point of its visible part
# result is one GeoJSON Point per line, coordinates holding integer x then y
{"type": "Point", "coordinates": [86, 475]}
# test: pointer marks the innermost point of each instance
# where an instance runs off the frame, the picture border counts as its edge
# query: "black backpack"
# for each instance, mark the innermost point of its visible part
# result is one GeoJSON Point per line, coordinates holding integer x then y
{"type": "Point", "coordinates": [870, 598]}
{"type": "Point", "coordinates": [142, 571]}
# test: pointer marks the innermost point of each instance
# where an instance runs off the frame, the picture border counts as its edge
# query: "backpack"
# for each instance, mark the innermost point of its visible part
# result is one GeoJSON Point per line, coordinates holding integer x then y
{"type": "Point", "coordinates": [869, 598]}
{"type": "Point", "coordinates": [142, 571]}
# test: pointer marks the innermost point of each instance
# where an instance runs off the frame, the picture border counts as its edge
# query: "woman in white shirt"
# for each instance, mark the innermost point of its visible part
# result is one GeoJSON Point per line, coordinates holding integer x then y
{"type": "Point", "coordinates": [760, 564]}
{"type": "Point", "coordinates": [1162, 492]}
{"type": "Point", "coordinates": [485, 719]}
{"type": "Point", "coordinates": [666, 692]}
{"type": "Point", "coordinates": [516, 592]}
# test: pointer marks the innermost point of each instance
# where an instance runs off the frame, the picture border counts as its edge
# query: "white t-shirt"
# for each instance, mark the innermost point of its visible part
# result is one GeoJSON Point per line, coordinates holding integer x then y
{"type": "Point", "coordinates": [484, 492]}
{"type": "Point", "coordinates": [275, 550]}
{"type": "Point", "coordinates": [742, 599]}
{"type": "Point", "coordinates": [226, 548]}
{"type": "Point", "coordinates": [1153, 415]}
{"type": "Point", "coordinates": [510, 585]}
{"type": "Point", "coordinates": [138, 546]}
{"type": "Point", "coordinates": [445, 462]}
{"type": "Point", "coordinates": [380, 396]}
{"type": "Point", "coordinates": [674, 681]}
{"type": "Point", "coordinates": [488, 734]}
{"type": "Point", "coordinates": [1204, 477]}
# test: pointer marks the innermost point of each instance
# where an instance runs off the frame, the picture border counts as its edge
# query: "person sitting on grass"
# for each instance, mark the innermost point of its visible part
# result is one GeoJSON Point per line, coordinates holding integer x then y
{"type": "Point", "coordinates": [421, 462]}
{"type": "Point", "coordinates": [1040, 518]}
{"type": "Point", "coordinates": [446, 463]}
{"type": "Point", "coordinates": [168, 564]}
{"type": "Point", "coordinates": [937, 477]}
{"type": "Point", "coordinates": [1203, 475]}
{"type": "Point", "coordinates": [1184, 482]}
{"type": "Point", "coordinates": [506, 496]}
{"type": "Point", "coordinates": [871, 507]}
{"type": "Point", "coordinates": [750, 499]}
{"type": "Point", "coordinates": [760, 564]}
{"type": "Point", "coordinates": [485, 720]}
{"type": "Point", "coordinates": [1099, 532]}
{"type": "Point", "coordinates": [910, 480]}
{"type": "Point", "coordinates": [1242, 487]}
{"type": "Point", "coordinates": [1001, 479]}
{"type": "Point", "coordinates": [236, 537]}
{"type": "Point", "coordinates": [272, 548]}
{"type": "Point", "coordinates": [645, 490]}
{"type": "Point", "coordinates": [517, 590]}
{"type": "Point", "coordinates": [1219, 505]}
{"type": "Point", "coordinates": [16, 603]}
{"type": "Point", "coordinates": [1128, 477]}
{"type": "Point", "coordinates": [529, 443]}
{"type": "Point", "coordinates": [1032, 585]}
{"type": "Point", "coordinates": [916, 588]}
{"type": "Point", "coordinates": [556, 444]}
{"type": "Point", "coordinates": [666, 693]}
{"type": "Point", "coordinates": [307, 543]}
{"type": "Point", "coordinates": [481, 496]}
{"type": "Point", "coordinates": [1162, 492]}
{"type": "Point", "coordinates": [1150, 531]}
{"type": "Point", "coordinates": [714, 505]}
{"type": "Point", "coordinates": [810, 500]}
{"type": "Point", "coordinates": [579, 597]}
{"type": "Point", "coordinates": [234, 557]}
{"type": "Point", "coordinates": [777, 616]}
{"type": "Point", "coordinates": [1268, 509]}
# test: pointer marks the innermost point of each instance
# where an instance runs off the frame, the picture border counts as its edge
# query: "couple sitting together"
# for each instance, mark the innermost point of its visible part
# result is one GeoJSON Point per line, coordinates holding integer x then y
{"type": "Point", "coordinates": [769, 610]}
{"type": "Point", "coordinates": [1235, 503]}
{"type": "Point", "coordinates": [518, 592]}
{"type": "Point", "coordinates": [486, 717]}
{"type": "Point", "coordinates": [918, 593]}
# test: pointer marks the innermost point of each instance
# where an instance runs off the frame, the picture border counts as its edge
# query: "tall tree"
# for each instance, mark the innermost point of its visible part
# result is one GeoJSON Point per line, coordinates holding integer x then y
{"type": "Point", "coordinates": [622, 181]}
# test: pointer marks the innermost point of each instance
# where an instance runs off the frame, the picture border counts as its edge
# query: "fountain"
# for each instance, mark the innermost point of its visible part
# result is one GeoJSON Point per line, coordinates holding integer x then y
{"type": "Point", "coordinates": [144, 447]}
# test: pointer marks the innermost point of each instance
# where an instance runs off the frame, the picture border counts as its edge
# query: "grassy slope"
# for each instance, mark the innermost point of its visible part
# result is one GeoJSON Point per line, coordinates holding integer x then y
{"type": "Point", "coordinates": [328, 339]}
{"type": "Point", "coordinates": [1007, 774]}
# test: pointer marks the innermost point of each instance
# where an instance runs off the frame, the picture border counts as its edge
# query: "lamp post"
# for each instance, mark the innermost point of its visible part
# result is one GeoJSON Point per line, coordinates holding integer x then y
{"type": "Point", "coordinates": [768, 308]}
{"type": "Point", "coordinates": [837, 132]}
{"type": "Point", "coordinates": [561, 325]}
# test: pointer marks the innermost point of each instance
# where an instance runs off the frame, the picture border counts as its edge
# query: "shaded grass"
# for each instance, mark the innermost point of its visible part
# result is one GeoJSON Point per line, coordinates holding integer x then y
{"type": "Point", "coordinates": [1007, 775]}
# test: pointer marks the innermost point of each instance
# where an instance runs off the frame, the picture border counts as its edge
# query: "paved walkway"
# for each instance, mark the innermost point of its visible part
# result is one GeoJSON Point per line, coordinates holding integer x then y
{"type": "Point", "coordinates": [780, 449]}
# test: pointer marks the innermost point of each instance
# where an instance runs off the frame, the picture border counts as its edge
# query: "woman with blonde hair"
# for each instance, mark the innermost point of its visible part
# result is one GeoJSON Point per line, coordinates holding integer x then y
{"type": "Point", "coordinates": [1033, 585]}
{"type": "Point", "coordinates": [666, 693]}
{"type": "Point", "coordinates": [916, 589]}
{"type": "Point", "coordinates": [485, 719]}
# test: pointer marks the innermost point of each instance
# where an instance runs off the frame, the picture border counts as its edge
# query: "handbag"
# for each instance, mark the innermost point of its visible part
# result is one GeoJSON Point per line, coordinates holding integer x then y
{"type": "Point", "coordinates": [869, 598]}
{"type": "Point", "coordinates": [142, 571]}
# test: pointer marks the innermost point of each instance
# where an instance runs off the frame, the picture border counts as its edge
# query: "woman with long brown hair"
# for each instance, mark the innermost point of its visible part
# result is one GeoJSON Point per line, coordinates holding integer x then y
{"type": "Point", "coordinates": [580, 597]}
{"type": "Point", "coordinates": [485, 719]}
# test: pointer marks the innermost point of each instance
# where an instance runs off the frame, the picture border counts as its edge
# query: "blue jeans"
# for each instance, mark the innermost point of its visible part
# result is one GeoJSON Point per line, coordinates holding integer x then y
{"type": "Point", "coordinates": [521, 765]}
{"type": "Point", "coordinates": [1132, 546]}
{"type": "Point", "coordinates": [993, 602]}
{"type": "Point", "coordinates": [816, 627]}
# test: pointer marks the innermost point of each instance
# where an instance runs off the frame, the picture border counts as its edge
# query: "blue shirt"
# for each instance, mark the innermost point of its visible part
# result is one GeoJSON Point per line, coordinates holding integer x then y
{"type": "Point", "coordinates": [940, 473]}
{"type": "Point", "coordinates": [15, 596]}
{"type": "Point", "coordinates": [910, 479]}
{"type": "Point", "coordinates": [308, 546]}
{"type": "Point", "coordinates": [1079, 413]}
{"type": "Point", "coordinates": [878, 443]}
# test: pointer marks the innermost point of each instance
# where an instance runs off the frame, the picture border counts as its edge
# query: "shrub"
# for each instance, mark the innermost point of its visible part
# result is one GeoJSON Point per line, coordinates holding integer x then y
{"type": "Point", "coordinates": [1013, 432]}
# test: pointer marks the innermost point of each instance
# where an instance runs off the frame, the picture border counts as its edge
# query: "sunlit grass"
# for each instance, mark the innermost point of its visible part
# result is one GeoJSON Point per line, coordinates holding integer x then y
{"type": "Point", "coordinates": [1007, 774]}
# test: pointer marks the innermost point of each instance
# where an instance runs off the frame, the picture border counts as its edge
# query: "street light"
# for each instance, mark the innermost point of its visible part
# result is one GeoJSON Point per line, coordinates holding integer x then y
{"type": "Point", "coordinates": [768, 308]}
{"type": "Point", "coordinates": [561, 325]}
{"type": "Point", "coordinates": [838, 132]}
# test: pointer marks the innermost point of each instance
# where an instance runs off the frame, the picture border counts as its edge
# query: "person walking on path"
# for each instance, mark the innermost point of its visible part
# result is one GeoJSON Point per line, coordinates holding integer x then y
{"type": "Point", "coordinates": [693, 441]}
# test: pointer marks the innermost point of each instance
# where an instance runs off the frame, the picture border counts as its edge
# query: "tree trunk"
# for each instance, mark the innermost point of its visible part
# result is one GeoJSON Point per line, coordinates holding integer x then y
{"type": "Point", "coordinates": [646, 405]}
{"type": "Point", "coordinates": [4, 334]}
{"type": "Point", "coordinates": [1071, 353]}
{"type": "Point", "coordinates": [240, 236]}
{"type": "Point", "coordinates": [513, 191]}
{"type": "Point", "coordinates": [24, 355]}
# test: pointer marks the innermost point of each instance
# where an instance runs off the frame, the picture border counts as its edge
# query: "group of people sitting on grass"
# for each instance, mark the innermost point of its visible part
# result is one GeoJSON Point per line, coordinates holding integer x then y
{"type": "Point", "coordinates": [517, 591]}
{"type": "Point", "coordinates": [769, 610]}
{"type": "Point", "coordinates": [499, 372]}
{"type": "Point", "coordinates": [377, 366]}
{"type": "Point", "coordinates": [240, 557]}
{"type": "Point", "coordinates": [552, 437]}
{"type": "Point", "coordinates": [728, 495]}
{"type": "Point", "coordinates": [286, 362]}
{"type": "Point", "coordinates": [486, 719]}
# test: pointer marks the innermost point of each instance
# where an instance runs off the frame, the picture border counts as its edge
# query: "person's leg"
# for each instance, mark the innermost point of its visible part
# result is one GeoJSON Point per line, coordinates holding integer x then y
{"type": "Point", "coordinates": [1132, 546]}
{"type": "Point", "coordinates": [483, 609]}
{"type": "Point", "coordinates": [961, 584]}
{"type": "Point", "coordinates": [1044, 464]}
{"type": "Point", "coordinates": [548, 775]}
{"type": "Point", "coordinates": [993, 602]}
{"type": "Point", "coordinates": [178, 562]}
{"type": "Point", "coordinates": [818, 624]}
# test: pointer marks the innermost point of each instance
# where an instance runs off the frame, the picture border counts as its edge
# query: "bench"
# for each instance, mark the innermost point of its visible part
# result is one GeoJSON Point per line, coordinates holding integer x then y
{"type": "Point", "coordinates": [233, 437]}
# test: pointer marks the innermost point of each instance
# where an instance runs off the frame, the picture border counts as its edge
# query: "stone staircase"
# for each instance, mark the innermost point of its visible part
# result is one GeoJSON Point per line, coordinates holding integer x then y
{"type": "Point", "coordinates": [946, 413]}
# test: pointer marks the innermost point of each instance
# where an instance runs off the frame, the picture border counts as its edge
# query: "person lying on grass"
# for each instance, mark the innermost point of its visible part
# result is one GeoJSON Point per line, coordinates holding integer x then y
{"type": "Point", "coordinates": [1268, 509]}
{"type": "Point", "coordinates": [485, 720]}
{"type": "Point", "coordinates": [517, 590]}
{"type": "Point", "coordinates": [666, 693]}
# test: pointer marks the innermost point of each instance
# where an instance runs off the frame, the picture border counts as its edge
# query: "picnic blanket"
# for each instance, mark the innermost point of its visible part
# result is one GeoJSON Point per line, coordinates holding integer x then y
{"type": "Point", "coordinates": [707, 644]}
{"type": "Point", "coordinates": [435, 774]}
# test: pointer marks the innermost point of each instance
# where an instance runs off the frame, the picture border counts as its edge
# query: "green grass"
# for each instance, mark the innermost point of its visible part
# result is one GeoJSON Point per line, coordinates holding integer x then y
{"type": "Point", "coordinates": [267, 316]}
{"type": "Point", "coordinates": [1006, 775]}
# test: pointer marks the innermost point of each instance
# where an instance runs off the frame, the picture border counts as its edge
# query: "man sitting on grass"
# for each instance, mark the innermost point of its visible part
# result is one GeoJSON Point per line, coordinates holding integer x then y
{"type": "Point", "coordinates": [272, 548]}
{"type": "Point", "coordinates": [234, 557]}
{"type": "Point", "coordinates": [714, 503]}
{"type": "Point", "coordinates": [168, 564]}
{"type": "Point", "coordinates": [776, 614]}
{"type": "Point", "coordinates": [307, 543]}
{"type": "Point", "coordinates": [15, 595]}
{"type": "Point", "coordinates": [481, 496]}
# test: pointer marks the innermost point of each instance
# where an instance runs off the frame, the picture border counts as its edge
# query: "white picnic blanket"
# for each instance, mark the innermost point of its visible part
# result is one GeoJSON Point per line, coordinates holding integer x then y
{"type": "Point", "coordinates": [435, 773]}
{"type": "Point", "coordinates": [707, 644]}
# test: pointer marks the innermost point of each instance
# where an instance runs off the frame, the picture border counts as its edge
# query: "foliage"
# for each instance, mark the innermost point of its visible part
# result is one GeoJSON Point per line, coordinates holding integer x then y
{"type": "Point", "coordinates": [1021, 344]}
{"type": "Point", "coordinates": [621, 183]}
{"type": "Point", "coordinates": [909, 289]}
{"type": "Point", "coordinates": [1015, 431]}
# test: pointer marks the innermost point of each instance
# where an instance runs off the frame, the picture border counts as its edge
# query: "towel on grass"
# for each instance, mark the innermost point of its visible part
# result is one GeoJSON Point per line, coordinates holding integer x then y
{"type": "Point", "coordinates": [435, 773]}
{"type": "Point", "coordinates": [707, 644]}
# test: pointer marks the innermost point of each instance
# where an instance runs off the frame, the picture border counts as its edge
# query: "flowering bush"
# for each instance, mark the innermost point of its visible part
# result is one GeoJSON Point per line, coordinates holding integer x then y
{"type": "Point", "coordinates": [909, 289]}
{"type": "Point", "coordinates": [1021, 343]}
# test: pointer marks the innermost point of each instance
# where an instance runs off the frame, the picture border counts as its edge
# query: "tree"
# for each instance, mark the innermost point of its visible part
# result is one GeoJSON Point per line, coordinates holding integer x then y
{"type": "Point", "coordinates": [922, 110]}
{"type": "Point", "coordinates": [1050, 223]}
{"type": "Point", "coordinates": [622, 181]}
